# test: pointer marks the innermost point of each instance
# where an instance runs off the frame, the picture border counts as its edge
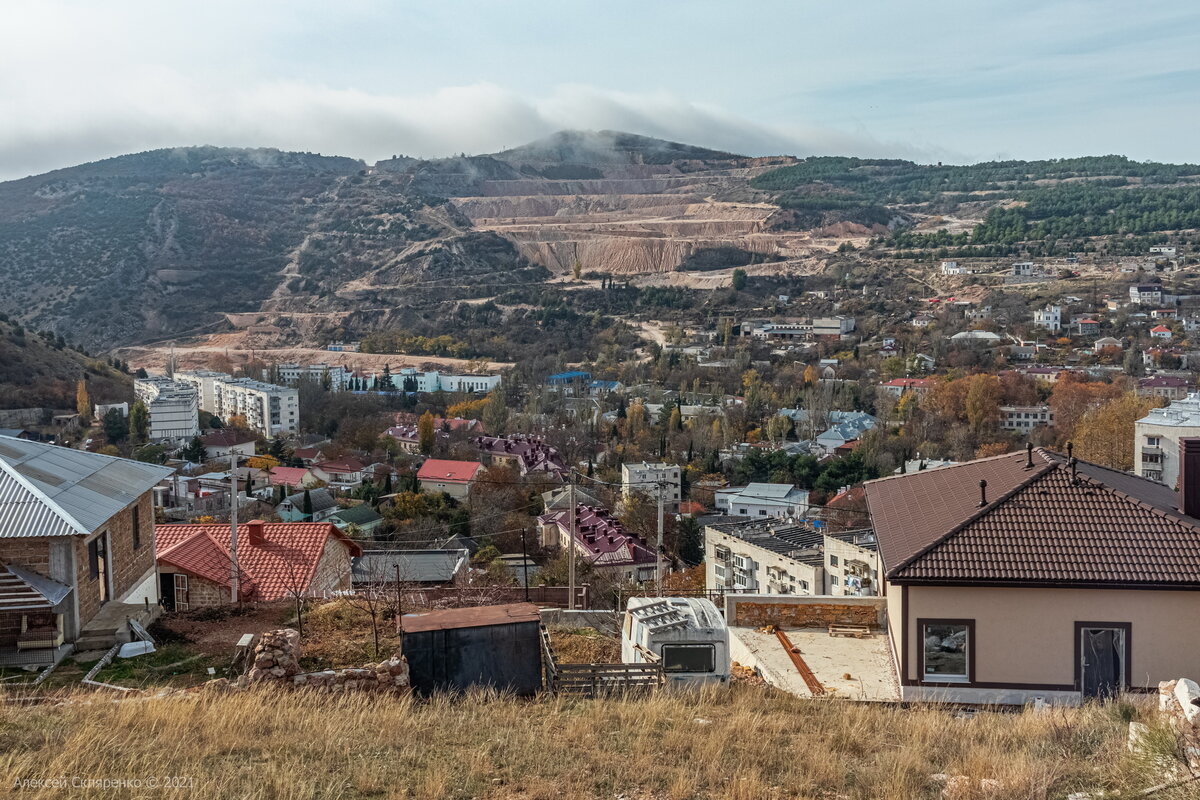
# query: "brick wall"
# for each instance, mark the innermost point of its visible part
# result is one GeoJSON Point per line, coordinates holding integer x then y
{"type": "Point", "coordinates": [803, 615]}
{"type": "Point", "coordinates": [203, 593]}
{"type": "Point", "coordinates": [127, 564]}
{"type": "Point", "coordinates": [33, 554]}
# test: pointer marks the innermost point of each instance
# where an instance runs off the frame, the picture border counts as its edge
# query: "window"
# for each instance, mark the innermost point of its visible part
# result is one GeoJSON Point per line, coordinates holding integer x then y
{"type": "Point", "coordinates": [94, 558]}
{"type": "Point", "coordinates": [833, 580]}
{"type": "Point", "coordinates": [137, 527]}
{"type": "Point", "coordinates": [689, 658]}
{"type": "Point", "coordinates": [833, 561]}
{"type": "Point", "coordinates": [1152, 441]}
{"type": "Point", "coordinates": [946, 650]}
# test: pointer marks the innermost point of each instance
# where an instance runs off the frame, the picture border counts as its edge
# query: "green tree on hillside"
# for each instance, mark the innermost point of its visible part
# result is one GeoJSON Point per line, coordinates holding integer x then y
{"type": "Point", "coordinates": [739, 280]}
{"type": "Point", "coordinates": [116, 427]}
{"type": "Point", "coordinates": [139, 422]}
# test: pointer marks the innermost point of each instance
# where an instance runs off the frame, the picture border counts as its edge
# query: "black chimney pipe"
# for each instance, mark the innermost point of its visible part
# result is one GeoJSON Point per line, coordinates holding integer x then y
{"type": "Point", "coordinates": [1029, 455]}
{"type": "Point", "coordinates": [982, 493]}
{"type": "Point", "coordinates": [1189, 476]}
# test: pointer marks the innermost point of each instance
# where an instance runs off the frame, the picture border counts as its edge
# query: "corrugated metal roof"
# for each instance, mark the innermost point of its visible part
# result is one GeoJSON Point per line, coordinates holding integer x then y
{"type": "Point", "coordinates": [47, 490]}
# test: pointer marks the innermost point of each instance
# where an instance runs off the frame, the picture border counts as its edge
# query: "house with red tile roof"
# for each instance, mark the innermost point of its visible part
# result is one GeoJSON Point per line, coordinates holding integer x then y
{"type": "Point", "coordinates": [1160, 332]}
{"type": "Point", "coordinates": [293, 477]}
{"type": "Point", "coordinates": [527, 453]}
{"type": "Point", "coordinates": [602, 542]}
{"type": "Point", "coordinates": [1033, 574]}
{"type": "Point", "coordinates": [452, 477]}
{"type": "Point", "coordinates": [341, 473]}
{"type": "Point", "coordinates": [275, 560]}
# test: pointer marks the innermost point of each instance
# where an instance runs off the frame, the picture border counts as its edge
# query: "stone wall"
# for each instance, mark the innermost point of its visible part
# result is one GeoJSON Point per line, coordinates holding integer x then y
{"type": "Point", "coordinates": [276, 658]}
{"type": "Point", "coordinates": [1179, 703]}
{"type": "Point", "coordinates": [756, 611]}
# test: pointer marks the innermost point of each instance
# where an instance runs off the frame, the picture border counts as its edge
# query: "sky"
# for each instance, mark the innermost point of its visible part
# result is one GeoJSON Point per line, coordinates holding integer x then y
{"type": "Point", "coordinates": [933, 80]}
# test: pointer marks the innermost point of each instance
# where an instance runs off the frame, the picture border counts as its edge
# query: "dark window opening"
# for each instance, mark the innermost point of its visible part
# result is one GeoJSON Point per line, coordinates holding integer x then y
{"type": "Point", "coordinates": [137, 528]}
{"type": "Point", "coordinates": [689, 658]}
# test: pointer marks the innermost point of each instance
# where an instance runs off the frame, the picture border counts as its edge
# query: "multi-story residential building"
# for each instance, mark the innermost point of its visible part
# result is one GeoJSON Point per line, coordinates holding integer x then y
{"type": "Point", "coordinates": [1049, 318]}
{"type": "Point", "coordinates": [173, 406]}
{"type": "Point", "coordinates": [1171, 387]}
{"type": "Point", "coordinates": [1146, 294]}
{"type": "Point", "coordinates": [1025, 418]}
{"type": "Point", "coordinates": [412, 380]}
{"type": "Point", "coordinates": [526, 453]}
{"type": "Point", "coordinates": [269, 409]}
{"type": "Point", "coordinates": [767, 557]}
{"type": "Point", "coordinates": [653, 479]}
{"type": "Point", "coordinates": [1156, 439]}
{"type": "Point", "coordinates": [337, 376]}
{"type": "Point", "coordinates": [601, 541]}
{"type": "Point", "coordinates": [762, 500]}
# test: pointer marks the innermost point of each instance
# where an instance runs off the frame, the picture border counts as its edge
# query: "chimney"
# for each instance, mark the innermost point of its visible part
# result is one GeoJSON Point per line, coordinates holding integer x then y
{"type": "Point", "coordinates": [1189, 476]}
{"type": "Point", "coordinates": [254, 531]}
{"type": "Point", "coordinates": [982, 493]}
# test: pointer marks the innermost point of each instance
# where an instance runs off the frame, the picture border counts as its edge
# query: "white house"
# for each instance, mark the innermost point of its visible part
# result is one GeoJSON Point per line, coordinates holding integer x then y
{"type": "Point", "coordinates": [652, 479]}
{"type": "Point", "coordinates": [1049, 318]}
{"type": "Point", "coordinates": [1025, 418]}
{"type": "Point", "coordinates": [762, 500]}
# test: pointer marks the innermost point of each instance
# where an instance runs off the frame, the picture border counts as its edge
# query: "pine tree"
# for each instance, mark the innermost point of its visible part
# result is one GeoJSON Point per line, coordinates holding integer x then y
{"type": "Point", "coordinates": [307, 507]}
{"type": "Point", "coordinates": [139, 422]}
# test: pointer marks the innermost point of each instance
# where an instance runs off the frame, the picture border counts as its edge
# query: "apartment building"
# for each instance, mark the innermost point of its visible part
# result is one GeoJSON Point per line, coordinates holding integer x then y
{"type": "Point", "coordinates": [772, 557]}
{"type": "Point", "coordinates": [291, 374]}
{"type": "Point", "coordinates": [652, 479]}
{"type": "Point", "coordinates": [269, 409]}
{"type": "Point", "coordinates": [1156, 439]}
{"type": "Point", "coordinates": [412, 380]}
{"type": "Point", "coordinates": [173, 406]}
{"type": "Point", "coordinates": [1025, 418]}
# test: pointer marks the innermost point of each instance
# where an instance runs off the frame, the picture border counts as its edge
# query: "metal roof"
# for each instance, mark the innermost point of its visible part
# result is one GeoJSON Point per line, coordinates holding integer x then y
{"type": "Point", "coordinates": [416, 566]}
{"type": "Point", "coordinates": [477, 617]}
{"type": "Point", "coordinates": [47, 490]}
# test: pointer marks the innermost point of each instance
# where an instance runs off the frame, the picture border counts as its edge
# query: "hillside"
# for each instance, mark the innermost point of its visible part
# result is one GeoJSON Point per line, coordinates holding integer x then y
{"type": "Point", "coordinates": [39, 371]}
{"type": "Point", "coordinates": [296, 249]}
{"type": "Point", "coordinates": [742, 743]}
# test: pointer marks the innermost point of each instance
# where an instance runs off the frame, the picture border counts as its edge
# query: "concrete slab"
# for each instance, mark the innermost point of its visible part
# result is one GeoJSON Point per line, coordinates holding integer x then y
{"type": "Point", "coordinates": [867, 661]}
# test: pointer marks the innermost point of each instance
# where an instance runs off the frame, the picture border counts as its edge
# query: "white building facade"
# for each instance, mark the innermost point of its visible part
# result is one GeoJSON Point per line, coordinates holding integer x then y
{"type": "Point", "coordinates": [762, 500]}
{"type": "Point", "coordinates": [1156, 439]}
{"type": "Point", "coordinates": [173, 406]}
{"type": "Point", "coordinates": [652, 479]}
{"type": "Point", "coordinates": [1025, 418]}
{"type": "Point", "coordinates": [268, 409]}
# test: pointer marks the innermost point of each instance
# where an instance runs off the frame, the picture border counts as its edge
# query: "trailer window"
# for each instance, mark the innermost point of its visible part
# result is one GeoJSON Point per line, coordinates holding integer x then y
{"type": "Point", "coordinates": [689, 658]}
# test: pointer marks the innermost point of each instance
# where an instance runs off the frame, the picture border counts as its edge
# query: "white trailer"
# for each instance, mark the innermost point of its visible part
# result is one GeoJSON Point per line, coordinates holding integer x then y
{"type": "Point", "coordinates": [687, 635]}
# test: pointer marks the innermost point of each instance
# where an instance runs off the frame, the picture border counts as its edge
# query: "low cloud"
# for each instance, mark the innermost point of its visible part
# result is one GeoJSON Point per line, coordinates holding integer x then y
{"type": "Point", "coordinates": [134, 112]}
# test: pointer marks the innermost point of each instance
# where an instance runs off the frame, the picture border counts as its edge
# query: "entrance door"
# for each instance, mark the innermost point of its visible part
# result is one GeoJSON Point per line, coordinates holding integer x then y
{"type": "Point", "coordinates": [181, 592]}
{"type": "Point", "coordinates": [1102, 661]}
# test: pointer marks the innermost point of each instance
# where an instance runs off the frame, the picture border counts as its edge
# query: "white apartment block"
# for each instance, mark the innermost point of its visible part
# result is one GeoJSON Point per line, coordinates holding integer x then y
{"type": "Point", "coordinates": [1025, 418]}
{"type": "Point", "coordinates": [437, 382]}
{"type": "Point", "coordinates": [173, 405]}
{"type": "Point", "coordinates": [762, 500]}
{"type": "Point", "coordinates": [269, 409]}
{"type": "Point", "coordinates": [768, 558]}
{"type": "Point", "coordinates": [651, 479]}
{"type": "Point", "coordinates": [1156, 439]}
{"type": "Point", "coordinates": [292, 374]}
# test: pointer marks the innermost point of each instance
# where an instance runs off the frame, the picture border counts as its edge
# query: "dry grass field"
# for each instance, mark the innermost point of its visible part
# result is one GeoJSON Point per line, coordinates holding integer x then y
{"type": "Point", "coordinates": [743, 743]}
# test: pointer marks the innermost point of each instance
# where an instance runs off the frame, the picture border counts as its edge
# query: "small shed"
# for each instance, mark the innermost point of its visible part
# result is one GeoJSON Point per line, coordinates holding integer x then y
{"type": "Point", "coordinates": [493, 646]}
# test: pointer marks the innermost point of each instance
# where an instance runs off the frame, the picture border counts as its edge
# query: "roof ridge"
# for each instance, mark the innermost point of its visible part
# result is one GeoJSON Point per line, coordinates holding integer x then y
{"type": "Point", "coordinates": [42, 497]}
{"type": "Point", "coordinates": [978, 514]}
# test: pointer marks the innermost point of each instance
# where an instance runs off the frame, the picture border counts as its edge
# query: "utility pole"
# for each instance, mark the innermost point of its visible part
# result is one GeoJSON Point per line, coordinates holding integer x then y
{"type": "Point", "coordinates": [571, 540]}
{"type": "Point", "coordinates": [399, 628]}
{"type": "Point", "coordinates": [233, 512]}
{"type": "Point", "coordinates": [658, 576]}
{"type": "Point", "coordinates": [525, 565]}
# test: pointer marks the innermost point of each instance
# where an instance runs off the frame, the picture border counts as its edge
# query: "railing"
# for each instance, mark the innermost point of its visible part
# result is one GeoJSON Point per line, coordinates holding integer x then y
{"type": "Point", "coordinates": [463, 596]}
{"type": "Point", "coordinates": [598, 679]}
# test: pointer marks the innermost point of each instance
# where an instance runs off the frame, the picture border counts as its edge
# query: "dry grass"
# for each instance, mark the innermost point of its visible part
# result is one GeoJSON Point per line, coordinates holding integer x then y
{"type": "Point", "coordinates": [743, 743]}
{"type": "Point", "coordinates": [584, 645]}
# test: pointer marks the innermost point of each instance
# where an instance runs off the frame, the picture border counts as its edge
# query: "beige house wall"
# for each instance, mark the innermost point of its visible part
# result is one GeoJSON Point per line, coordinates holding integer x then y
{"type": "Point", "coordinates": [333, 569]}
{"type": "Point", "coordinates": [1027, 636]}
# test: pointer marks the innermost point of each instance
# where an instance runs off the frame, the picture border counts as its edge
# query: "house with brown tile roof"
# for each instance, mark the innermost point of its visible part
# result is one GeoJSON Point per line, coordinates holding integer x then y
{"type": "Point", "coordinates": [1032, 574]}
